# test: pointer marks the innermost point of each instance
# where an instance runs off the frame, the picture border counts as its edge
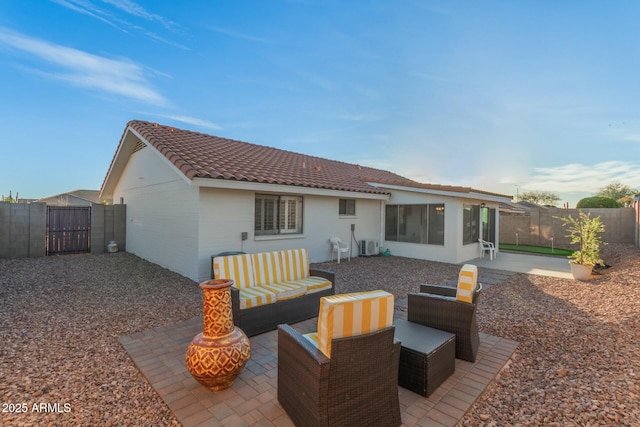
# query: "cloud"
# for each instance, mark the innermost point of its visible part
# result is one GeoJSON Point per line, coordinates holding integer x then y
{"type": "Point", "coordinates": [79, 68]}
{"type": "Point", "coordinates": [194, 121]}
{"type": "Point", "coordinates": [86, 7]}
{"type": "Point", "coordinates": [632, 137]}
{"type": "Point", "coordinates": [575, 177]}
{"type": "Point", "coordinates": [135, 9]}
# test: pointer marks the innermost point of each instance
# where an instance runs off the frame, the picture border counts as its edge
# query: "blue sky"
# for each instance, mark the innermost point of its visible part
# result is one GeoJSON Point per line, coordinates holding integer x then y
{"type": "Point", "coordinates": [502, 96]}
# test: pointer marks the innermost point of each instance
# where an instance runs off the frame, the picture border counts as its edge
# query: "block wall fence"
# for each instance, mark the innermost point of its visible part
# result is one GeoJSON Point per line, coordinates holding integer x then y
{"type": "Point", "coordinates": [620, 225]}
{"type": "Point", "coordinates": [23, 228]}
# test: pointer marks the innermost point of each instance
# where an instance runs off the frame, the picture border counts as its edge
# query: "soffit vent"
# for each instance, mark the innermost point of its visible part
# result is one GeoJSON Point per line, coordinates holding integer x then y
{"type": "Point", "coordinates": [139, 146]}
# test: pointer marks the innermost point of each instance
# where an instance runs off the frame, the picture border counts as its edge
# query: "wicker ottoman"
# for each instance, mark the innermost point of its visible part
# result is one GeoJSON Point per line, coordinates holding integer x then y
{"type": "Point", "coordinates": [427, 356]}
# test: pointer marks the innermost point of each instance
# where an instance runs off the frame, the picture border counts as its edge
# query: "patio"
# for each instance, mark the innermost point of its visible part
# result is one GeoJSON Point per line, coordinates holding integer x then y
{"type": "Point", "coordinates": [159, 354]}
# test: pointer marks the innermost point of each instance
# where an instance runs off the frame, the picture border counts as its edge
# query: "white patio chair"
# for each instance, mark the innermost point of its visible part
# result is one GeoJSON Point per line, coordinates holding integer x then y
{"type": "Point", "coordinates": [488, 247]}
{"type": "Point", "coordinates": [337, 247]}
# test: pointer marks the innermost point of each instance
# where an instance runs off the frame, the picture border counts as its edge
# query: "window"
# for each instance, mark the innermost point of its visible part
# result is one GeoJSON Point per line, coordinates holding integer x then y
{"type": "Point", "coordinates": [415, 224]}
{"type": "Point", "coordinates": [347, 207]}
{"type": "Point", "coordinates": [278, 214]}
{"type": "Point", "coordinates": [436, 225]}
{"type": "Point", "coordinates": [489, 224]}
{"type": "Point", "coordinates": [470, 224]}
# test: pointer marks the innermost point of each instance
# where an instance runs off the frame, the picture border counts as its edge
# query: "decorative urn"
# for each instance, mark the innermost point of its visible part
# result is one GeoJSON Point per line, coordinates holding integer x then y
{"type": "Point", "coordinates": [217, 355]}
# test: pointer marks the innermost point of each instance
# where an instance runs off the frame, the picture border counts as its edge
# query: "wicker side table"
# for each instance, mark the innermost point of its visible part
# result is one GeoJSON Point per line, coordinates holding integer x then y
{"type": "Point", "coordinates": [427, 356]}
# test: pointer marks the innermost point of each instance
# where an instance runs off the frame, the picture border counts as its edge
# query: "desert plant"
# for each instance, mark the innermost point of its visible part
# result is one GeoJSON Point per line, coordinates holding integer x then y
{"type": "Point", "coordinates": [585, 231]}
{"type": "Point", "coordinates": [9, 199]}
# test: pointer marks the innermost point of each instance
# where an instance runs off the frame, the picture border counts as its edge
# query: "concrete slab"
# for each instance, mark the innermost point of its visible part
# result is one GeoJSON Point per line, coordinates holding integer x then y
{"type": "Point", "coordinates": [530, 264]}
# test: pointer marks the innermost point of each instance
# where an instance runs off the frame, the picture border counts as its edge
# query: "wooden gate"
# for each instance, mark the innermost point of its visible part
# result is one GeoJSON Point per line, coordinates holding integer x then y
{"type": "Point", "coordinates": [68, 229]}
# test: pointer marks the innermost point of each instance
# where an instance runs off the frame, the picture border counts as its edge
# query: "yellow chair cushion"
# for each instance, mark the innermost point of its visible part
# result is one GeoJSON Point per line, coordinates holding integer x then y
{"type": "Point", "coordinates": [353, 314]}
{"type": "Point", "coordinates": [235, 267]}
{"type": "Point", "coordinates": [255, 296]}
{"type": "Point", "coordinates": [467, 280]}
{"type": "Point", "coordinates": [313, 283]}
{"type": "Point", "coordinates": [286, 290]}
{"type": "Point", "coordinates": [267, 268]}
{"type": "Point", "coordinates": [294, 263]}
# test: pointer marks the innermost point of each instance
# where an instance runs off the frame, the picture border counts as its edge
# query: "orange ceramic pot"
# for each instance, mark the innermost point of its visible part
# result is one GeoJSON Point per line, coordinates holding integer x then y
{"type": "Point", "coordinates": [216, 356]}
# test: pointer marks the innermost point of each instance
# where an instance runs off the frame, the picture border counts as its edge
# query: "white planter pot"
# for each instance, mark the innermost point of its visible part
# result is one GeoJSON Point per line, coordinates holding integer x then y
{"type": "Point", "coordinates": [581, 272]}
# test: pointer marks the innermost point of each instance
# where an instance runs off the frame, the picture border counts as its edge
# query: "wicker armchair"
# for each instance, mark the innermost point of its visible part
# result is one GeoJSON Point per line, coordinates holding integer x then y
{"type": "Point", "coordinates": [357, 386]}
{"type": "Point", "coordinates": [436, 306]}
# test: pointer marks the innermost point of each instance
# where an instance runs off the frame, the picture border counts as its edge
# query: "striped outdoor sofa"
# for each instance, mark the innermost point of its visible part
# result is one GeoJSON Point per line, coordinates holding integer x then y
{"type": "Point", "coordinates": [271, 288]}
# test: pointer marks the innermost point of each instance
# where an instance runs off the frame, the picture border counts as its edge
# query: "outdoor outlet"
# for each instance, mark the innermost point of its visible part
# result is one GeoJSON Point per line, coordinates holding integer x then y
{"type": "Point", "coordinates": [353, 227]}
{"type": "Point", "coordinates": [243, 235]}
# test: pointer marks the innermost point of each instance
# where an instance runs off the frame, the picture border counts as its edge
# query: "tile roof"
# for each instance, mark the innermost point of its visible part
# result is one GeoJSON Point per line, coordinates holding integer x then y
{"type": "Point", "coordinates": [198, 155]}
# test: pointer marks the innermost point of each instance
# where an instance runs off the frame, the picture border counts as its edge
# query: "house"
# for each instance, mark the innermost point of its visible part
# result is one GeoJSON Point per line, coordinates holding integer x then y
{"type": "Point", "coordinates": [190, 196]}
{"type": "Point", "coordinates": [74, 198]}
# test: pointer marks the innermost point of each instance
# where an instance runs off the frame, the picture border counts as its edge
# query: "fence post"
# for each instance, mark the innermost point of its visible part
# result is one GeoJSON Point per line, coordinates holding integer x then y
{"type": "Point", "coordinates": [5, 228]}
{"type": "Point", "coordinates": [120, 226]}
{"type": "Point", "coordinates": [37, 229]}
{"type": "Point", "coordinates": [97, 229]}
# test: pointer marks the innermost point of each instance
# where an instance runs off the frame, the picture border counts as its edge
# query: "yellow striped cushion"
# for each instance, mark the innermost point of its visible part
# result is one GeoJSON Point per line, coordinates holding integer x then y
{"type": "Point", "coordinates": [313, 283]}
{"type": "Point", "coordinates": [266, 268]}
{"type": "Point", "coordinates": [467, 283]}
{"type": "Point", "coordinates": [352, 314]}
{"type": "Point", "coordinates": [255, 296]}
{"type": "Point", "coordinates": [286, 290]}
{"type": "Point", "coordinates": [295, 264]}
{"type": "Point", "coordinates": [235, 267]}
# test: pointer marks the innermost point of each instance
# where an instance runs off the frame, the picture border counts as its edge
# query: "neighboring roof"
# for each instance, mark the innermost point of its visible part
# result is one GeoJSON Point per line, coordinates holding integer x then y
{"type": "Point", "coordinates": [528, 205]}
{"type": "Point", "coordinates": [198, 155]}
{"type": "Point", "coordinates": [92, 196]}
{"type": "Point", "coordinates": [513, 208]}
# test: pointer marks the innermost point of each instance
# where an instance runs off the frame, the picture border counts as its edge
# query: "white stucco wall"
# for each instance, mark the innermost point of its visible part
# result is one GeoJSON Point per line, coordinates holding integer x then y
{"type": "Point", "coordinates": [453, 251]}
{"type": "Point", "coordinates": [162, 213]}
{"type": "Point", "coordinates": [226, 213]}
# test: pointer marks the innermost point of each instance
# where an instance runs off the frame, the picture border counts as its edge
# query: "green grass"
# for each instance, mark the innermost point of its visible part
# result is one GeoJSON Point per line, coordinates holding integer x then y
{"type": "Point", "coordinates": [544, 250]}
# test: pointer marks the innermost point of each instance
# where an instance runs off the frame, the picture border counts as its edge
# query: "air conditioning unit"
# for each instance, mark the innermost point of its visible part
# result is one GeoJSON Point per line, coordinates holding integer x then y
{"type": "Point", "coordinates": [369, 247]}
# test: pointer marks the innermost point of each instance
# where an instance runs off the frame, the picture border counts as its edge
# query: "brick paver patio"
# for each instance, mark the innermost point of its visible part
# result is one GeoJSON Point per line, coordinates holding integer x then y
{"type": "Point", "coordinates": [159, 354]}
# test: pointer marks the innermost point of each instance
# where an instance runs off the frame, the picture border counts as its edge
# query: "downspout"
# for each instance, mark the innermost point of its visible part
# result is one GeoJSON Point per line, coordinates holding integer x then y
{"type": "Point", "coordinates": [381, 222]}
{"type": "Point", "coordinates": [636, 202]}
{"type": "Point", "coordinates": [496, 232]}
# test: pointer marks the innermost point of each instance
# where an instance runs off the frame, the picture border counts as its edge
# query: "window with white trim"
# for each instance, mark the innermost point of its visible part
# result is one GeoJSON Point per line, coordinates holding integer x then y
{"type": "Point", "coordinates": [470, 224]}
{"type": "Point", "coordinates": [277, 214]}
{"type": "Point", "coordinates": [347, 207]}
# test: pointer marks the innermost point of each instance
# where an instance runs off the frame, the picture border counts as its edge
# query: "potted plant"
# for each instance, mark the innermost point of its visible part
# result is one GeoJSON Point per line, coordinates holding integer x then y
{"type": "Point", "coordinates": [585, 231]}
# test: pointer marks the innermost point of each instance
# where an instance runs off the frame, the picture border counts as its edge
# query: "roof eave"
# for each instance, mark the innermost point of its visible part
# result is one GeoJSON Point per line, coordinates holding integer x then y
{"type": "Point", "coordinates": [285, 188]}
{"type": "Point", "coordinates": [468, 193]}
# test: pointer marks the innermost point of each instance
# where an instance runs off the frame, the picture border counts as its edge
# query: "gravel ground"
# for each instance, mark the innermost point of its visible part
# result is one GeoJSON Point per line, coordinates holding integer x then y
{"type": "Point", "coordinates": [60, 318]}
{"type": "Point", "coordinates": [577, 363]}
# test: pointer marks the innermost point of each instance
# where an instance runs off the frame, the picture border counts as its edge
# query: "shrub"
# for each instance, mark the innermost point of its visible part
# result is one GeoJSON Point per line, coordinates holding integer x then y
{"type": "Point", "coordinates": [584, 231]}
{"type": "Point", "coordinates": [598, 202]}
